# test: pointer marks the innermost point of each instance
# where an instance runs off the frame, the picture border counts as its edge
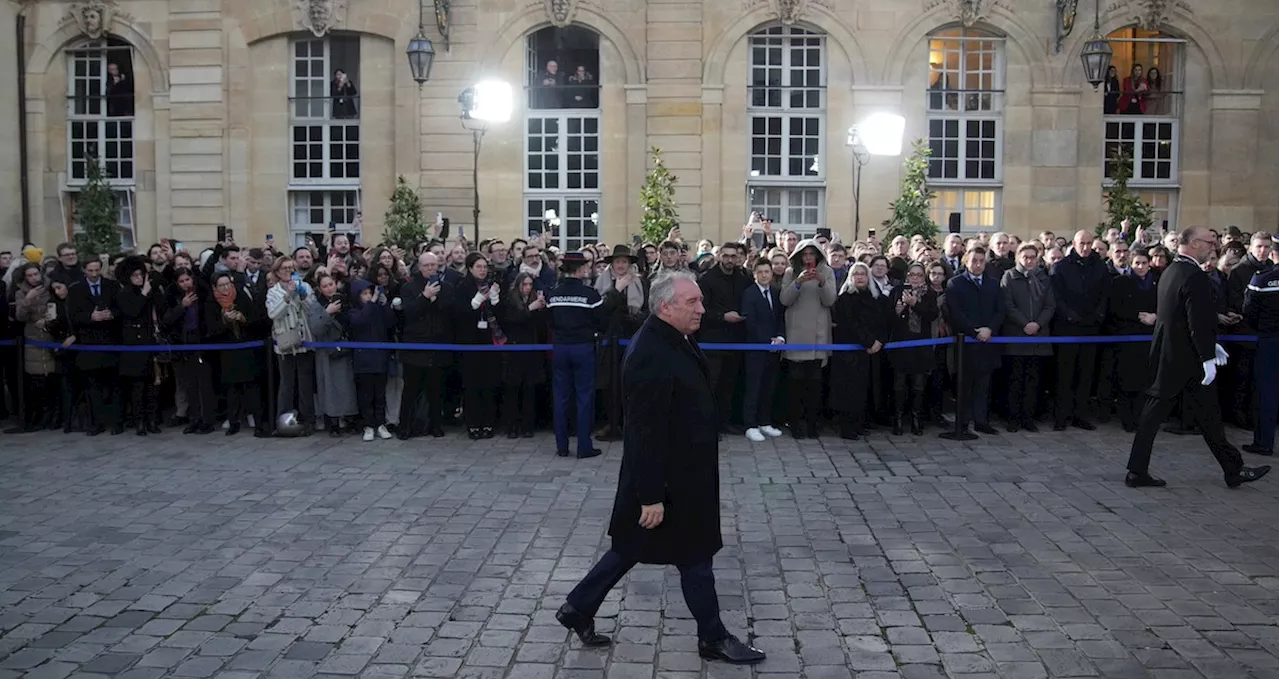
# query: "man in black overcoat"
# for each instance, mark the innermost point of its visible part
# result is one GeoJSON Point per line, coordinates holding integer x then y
{"type": "Point", "coordinates": [91, 304]}
{"type": "Point", "coordinates": [667, 508]}
{"type": "Point", "coordinates": [1185, 357]}
{"type": "Point", "coordinates": [975, 305]}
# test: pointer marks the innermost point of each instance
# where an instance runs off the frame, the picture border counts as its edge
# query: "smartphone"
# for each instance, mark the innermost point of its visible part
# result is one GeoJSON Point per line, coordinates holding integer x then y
{"type": "Point", "coordinates": [270, 238]}
{"type": "Point", "coordinates": [231, 234]}
{"type": "Point", "coordinates": [871, 233]}
{"type": "Point", "coordinates": [635, 241]}
{"type": "Point", "coordinates": [177, 245]}
{"type": "Point", "coordinates": [222, 234]}
{"type": "Point", "coordinates": [823, 233]}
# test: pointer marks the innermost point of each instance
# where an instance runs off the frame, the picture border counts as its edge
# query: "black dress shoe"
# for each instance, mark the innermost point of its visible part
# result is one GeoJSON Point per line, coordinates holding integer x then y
{"type": "Point", "coordinates": [526, 433]}
{"type": "Point", "coordinates": [1030, 425]}
{"type": "Point", "coordinates": [153, 428]}
{"type": "Point", "coordinates": [799, 433]}
{"type": "Point", "coordinates": [1247, 474]}
{"type": "Point", "coordinates": [985, 429]}
{"type": "Point", "coordinates": [1013, 426]}
{"type": "Point", "coordinates": [730, 650]}
{"type": "Point", "coordinates": [117, 430]}
{"type": "Point", "coordinates": [1257, 450]}
{"type": "Point", "coordinates": [1081, 423]}
{"type": "Point", "coordinates": [233, 429]}
{"type": "Point", "coordinates": [582, 626]}
{"type": "Point", "coordinates": [191, 428]}
{"type": "Point", "coordinates": [1133, 480]}
{"type": "Point", "coordinates": [435, 432]}
{"type": "Point", "coordinates": [204, 429]}
{"type": "Point", "coordinates": [594, 452]}
{"type": "Point", "coordinates": [1059, 426]}
{"type": "Point", "coordinates": [562, 453]}
{"type": "Point", "coordinates": [141, 431]}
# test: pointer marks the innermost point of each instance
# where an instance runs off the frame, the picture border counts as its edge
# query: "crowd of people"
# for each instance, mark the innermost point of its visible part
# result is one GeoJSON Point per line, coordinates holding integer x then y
{"type": "Point", "coordinates": [767, 288]}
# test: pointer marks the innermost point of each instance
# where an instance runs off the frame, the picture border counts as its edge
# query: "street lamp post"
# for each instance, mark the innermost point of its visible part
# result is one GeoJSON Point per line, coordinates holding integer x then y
{"type": "Point", "coordinates": [421, 53]}
{"type": "Point", "coordinates": [1095, 56]}
{"type": "Point", "coordinates": [880, 134]}
{"type": "Point", "coordinates": [485, 102]}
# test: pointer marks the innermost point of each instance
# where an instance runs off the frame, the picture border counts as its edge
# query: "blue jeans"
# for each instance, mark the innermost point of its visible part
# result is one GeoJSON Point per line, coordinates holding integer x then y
{"type": "Point", "coordinates": [573, 372]}
{"type": "Point", "coordinates": [696, 580]}
{"type": "Point", "coordinates": [1264, 382]}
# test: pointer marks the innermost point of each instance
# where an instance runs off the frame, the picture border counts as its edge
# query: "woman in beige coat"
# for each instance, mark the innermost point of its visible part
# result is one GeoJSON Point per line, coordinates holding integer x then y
{"type": "Point", "coordinates": [808, 292]}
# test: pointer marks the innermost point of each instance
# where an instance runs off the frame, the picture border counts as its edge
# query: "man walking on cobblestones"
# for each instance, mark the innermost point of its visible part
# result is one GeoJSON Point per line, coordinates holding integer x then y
{"type": "Point", "coordinates": [667, 508]}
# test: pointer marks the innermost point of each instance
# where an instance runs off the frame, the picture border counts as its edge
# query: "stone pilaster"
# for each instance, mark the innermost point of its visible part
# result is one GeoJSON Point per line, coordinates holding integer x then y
{"type": "Point", "coordinates": [197, 121]}
{"type": "Point", "coordinates": [1233, 157]}
{"type": "Point", "coordinates": [674, 59]}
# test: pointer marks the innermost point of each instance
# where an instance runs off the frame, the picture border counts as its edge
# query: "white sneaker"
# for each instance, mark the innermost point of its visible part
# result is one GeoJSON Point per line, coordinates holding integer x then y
{"type": "Point", "coordinates": [754, 434]}
{"type": "Point", "coordinates": [368, 433]}
{"type": "Point", "coordinates": [770, 431]}
{"type": "Point", "coordinates": [226, 424]}
{"type": "Point", "coordinates": [383, 433]}
{"type": "Point", "coordinates": [252, 424]}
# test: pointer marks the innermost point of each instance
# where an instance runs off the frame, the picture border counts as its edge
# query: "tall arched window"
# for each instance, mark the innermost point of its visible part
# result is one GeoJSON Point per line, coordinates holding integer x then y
{"type": "Point", "coordinates": [562, 136]}
{"type": "Point", "coordinates": [324, 133]}
{"type": "Point", "coordinates": [100, 127]}
{"type": "Point", "coordinates": [965, 109]}
{"type": "Point", "coordinates": [1142, 112]}
{"type": "Point", "coordinates": [787, 106]}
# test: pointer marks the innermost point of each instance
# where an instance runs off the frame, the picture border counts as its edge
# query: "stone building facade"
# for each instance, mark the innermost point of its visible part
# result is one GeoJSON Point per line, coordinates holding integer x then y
{"type": "Point", "coordinates": [209, 112]}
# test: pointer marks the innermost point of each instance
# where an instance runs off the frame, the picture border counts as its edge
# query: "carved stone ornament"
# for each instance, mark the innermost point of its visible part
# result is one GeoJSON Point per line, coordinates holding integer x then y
{"type": "Point", "coordinates": [321, 16]}
{"type": "Point", "coordinates": [1152, 14]}
{"type": "Point", "coordinates": [94, 17]}
{"type": "Point", "coordinates": [787, 12]}
{"type": "Point", "coordinates": [970, 12]}
{"type": "Point", "coordinates": [560, 12]}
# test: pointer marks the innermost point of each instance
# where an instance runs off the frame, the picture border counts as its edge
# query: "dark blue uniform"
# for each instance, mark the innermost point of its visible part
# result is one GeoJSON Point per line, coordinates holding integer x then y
{"type": "Point", "coordinates": [576, 309]}
{"type": "Point", "coordinates": [1262, 311]}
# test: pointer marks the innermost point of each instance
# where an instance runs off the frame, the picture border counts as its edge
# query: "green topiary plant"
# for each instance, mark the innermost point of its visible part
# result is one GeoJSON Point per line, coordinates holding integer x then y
{"type": "Point", "coordinates": [911, 213]}
{"type": "Point", "coordinates": [405, 227]}
{"type": "Point", "coordinates": [97, 215]}
{"type": "Point", "coordinates": [1121, 203]}
{"type": "Point", "coordinates": [657, 198]}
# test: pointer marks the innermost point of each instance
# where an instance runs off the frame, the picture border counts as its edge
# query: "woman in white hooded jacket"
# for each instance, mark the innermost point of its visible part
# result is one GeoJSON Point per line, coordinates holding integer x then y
{"type": "Point", "coordinates": [287, 309]}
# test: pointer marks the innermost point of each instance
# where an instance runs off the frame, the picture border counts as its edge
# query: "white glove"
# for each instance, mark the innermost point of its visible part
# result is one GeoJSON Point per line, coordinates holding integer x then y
{"type": "Point", "coordinates": [478, 300]}
{"type": "Point", "coordinates": [1219, 355]}
{"type": "Point", "coordinates": [493, 295]}
{"type": "Point", "coordinates": [1210, 372]}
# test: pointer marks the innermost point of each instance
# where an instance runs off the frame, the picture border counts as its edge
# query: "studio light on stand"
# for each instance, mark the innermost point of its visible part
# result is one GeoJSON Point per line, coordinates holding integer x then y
{"type": "Point", "coordinates": [490, 101]}
{"type": "Point", "coordinates": [879, 134]}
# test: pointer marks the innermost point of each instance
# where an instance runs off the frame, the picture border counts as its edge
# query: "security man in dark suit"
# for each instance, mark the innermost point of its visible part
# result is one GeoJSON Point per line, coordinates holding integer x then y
{"type": "Point", "coordinates": [765, 324]}
{"type": "Point", "coordinates": [577, 313]}
{"type": "Point", "coordinates": [975, 306]}
{"type": "Point", "coordinates": [1262, 312]}
{"type": "Point", "coordinates": [1186, 336]}
{"type": "Point", "coordinates": [91, 304]}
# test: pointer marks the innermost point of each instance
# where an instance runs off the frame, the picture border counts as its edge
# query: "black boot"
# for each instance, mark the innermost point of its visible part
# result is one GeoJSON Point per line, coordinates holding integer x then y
{"type": "Point", "coordinates": [897, 424]}
{"type": "Point", "coordinates": [582, 626]}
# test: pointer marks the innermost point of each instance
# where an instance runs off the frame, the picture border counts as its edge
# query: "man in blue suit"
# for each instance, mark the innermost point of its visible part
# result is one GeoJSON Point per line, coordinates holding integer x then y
{"type": "Point", "coordinates": [976, 308]}
{"type": "Point", "coordinates": [765, 319]}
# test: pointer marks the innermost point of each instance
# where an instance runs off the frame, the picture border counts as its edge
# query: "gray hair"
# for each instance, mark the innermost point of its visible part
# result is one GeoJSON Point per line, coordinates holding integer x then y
{"type": "Point", "coordinates": [663, 289]}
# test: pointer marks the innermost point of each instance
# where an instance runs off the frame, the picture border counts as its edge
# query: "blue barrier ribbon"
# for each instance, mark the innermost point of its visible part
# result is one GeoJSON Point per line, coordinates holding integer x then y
{"type": "Point", "coordinates": [8, 343]}
{"type": "Point", "coordinates": [710, 346]}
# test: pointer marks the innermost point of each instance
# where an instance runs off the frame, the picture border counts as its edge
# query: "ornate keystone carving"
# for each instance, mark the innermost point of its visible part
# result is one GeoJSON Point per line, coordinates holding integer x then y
{"type": "Point", "coordinates": [321, 16]}
{"type": "Point", "coordinates": [94, 17]}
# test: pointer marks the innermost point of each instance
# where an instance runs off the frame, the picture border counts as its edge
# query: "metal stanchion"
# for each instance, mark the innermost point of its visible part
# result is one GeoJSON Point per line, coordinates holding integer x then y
{"type": "Point", "coordinates": [615, 388]}
{"type": "Point", "coordinates": [20, 355]}
{"type": "Point", "coordinates": [270, 414]}
{"type": "Point", "coordinates": [961, 432]}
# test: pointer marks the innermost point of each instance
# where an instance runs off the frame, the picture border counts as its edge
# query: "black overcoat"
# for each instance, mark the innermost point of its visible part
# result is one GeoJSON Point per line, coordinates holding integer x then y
{"type": "Point", "coordinates": [425, 321]}
{"type": "Point", "coordinates": [1186, 328]}
{"type": "Point", "coordinates": [237, 366]}
{"type": "Point", "coordinates": [670, 451]}
{"type": "Point", "coordinates": [81, 304]}
{"type": "Point", "coordinates": [1128, 299]}
{"type": "Point", "coordinates": [912, 360]}
{"type": "Point", "coordinates": [480, 369]}
{"type": "Point", "coordinates": [976, 305]}
{"type": "Point", "coordinates": [522, 326]}
{"type": "Point", "coordinates": [856, 318]}
{"type": "Point", "coordinates": [137, 328]}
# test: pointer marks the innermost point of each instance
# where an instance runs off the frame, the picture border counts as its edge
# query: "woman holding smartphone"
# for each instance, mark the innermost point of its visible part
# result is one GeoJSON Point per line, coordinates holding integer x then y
{"type": "Point", "coordinates": [914, 308]}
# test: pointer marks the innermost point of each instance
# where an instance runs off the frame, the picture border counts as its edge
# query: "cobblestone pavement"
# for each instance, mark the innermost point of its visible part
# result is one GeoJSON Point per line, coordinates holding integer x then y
{"type": "Point", "coordinates": [1014, 557]}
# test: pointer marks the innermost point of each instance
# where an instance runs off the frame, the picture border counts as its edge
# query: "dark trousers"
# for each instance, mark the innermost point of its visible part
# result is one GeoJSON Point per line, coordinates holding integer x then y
{"type": "Point", "coordinates": [196, 375]}
{"type": "Point", "coordinates": [102, 394]}
{"type": "Point", "coordinates": [1129, 408]}
{"type": "Point", "coordinates": [805, 394]}
{"type": "Point", "coordinates": [573, 377]}
{"type": "Point", "coordinates": [1107, 380]}
{"type": "Point", "coordinates": [141, 393]}
{"type": "Point", "coordinates": [371, 395]}
{"type": "Point", "coordinates": [908, 394]}
{"type": "Point", "coordinates": [725, 368]}
{"type": "Point", "coordinates": [42, 400]}
{"type": "Point", "coordinates": [1024, 387]}
{"type": "Point", "coordinates": [517, 406]}
{"type": "Point", "coordinates": [480, 407]}
{"type": "Point", "coordinates": [1201, 403]}
{"type": "Point", "coordinates": [1265, 373]}
{"type": "Point", "coordinates": [974, 398]}
{"type": "Point", "coordinates": [298, 387]}
{"type": "Point", "coordinates": [762, 379]}
{"type": "Point", "coordinates": [242, 400]}
{"type": "Point", "coordinates": [852, 402]}
{"type": "Point", "coordinates": [696, 580]}
{"type": "Point", "coordinates": [1076, 364]}
{"type": "Point", "coordinates": [1241, 380]}
{"type": "Point", "coordinates": [418, 383]}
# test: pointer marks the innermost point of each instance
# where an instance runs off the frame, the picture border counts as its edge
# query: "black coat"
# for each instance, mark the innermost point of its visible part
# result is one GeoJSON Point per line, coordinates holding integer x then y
{"type": "Point", "coordinates": [763, 323]}
{"type": "Point", "coordinates": [238, 365]}
{"type": "Point", "coordinates": [137, 314]}
{"type": "Point", "coordinates": [480, 369]}
{"type": "Point", "coordinates": [1128, 299]}
{"type": "Point", "coordinates": [670, 451]}
{"type": "Point", "coordinates": [970, 307]}
{"type": "Point", "coordinates": [425, 321]}
{"type": "Point", "coordinates": [1186, 329]}
{"type": "Point", "coordinates": [856, 318]}
{"type": "Point", "coordinates": [522, 326]}
{"type": "Point", "coordinates": [1080, 288]}
{"type": "Point", "coordinates": [81, 304]}
{"type": "Point", "coordinates": [915, 360]}
{"type": "Point", "coordinates": [722, 293]}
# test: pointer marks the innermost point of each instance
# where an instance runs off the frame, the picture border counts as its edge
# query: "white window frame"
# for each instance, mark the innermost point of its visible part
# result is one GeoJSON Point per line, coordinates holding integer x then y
{"type": "Point", "coordinates": [781, 212]}
{"type": "Point", "coordinates": [561, 238]}
{"type": "Point", "coordinates": [1137, 156]}
{"type": "Point", "coordinates": [325, 122]}
{"type": "Point", "coordinates": [961, 115]}
{"type": "Point", "coordinates": [299, 229]}
{"type": "Point", "coordinates": [126, 214]}
{"type": "Point", "coordinates": [1175, 74]}
{"type": "Point", "coordinates": [98, 50]}
{"type": "Point", "coordinates": [968, 225]}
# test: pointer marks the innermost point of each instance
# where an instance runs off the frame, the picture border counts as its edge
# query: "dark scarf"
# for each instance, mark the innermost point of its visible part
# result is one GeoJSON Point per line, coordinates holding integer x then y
{"type": "Point", "coordinates": [1144, 282]}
